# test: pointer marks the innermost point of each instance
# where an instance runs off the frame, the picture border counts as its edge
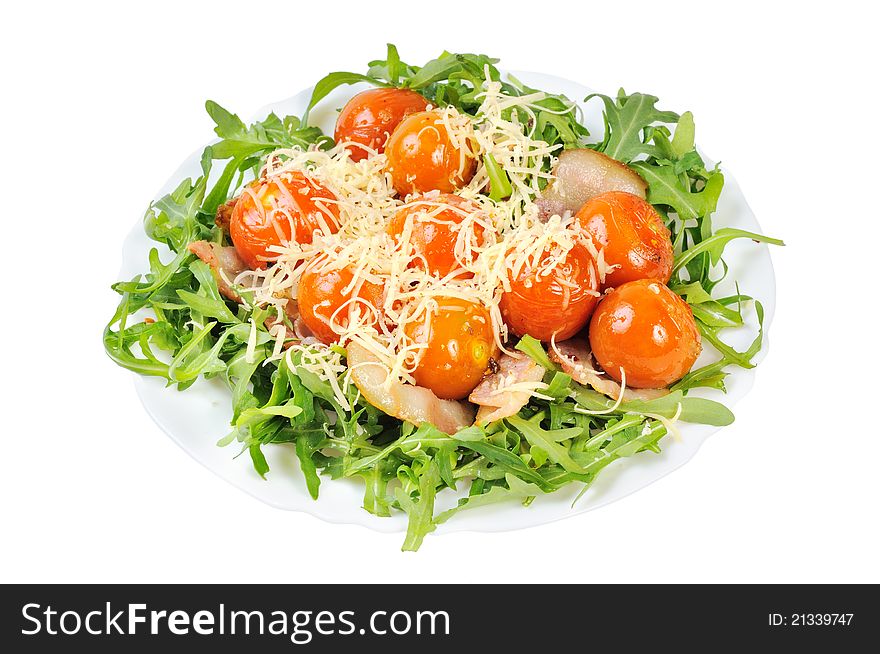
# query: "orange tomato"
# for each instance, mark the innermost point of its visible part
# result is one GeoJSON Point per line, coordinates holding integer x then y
{"type": "Point", "coordinates": [370, 117]}
{"type": "Point", "coordinates": [422, 156]}
{"type": "Point", "coordinates": [632, 234]}
{"type": "Point", "coordinates": [558, 303]}
{"type": "Point", "coordinates": [274, 211]}
{"type": "Point", "coordinates": [434, 233]}
{"type": "Point", "coordinates": [459, 342]}
{"type": "Point", "coordinates": [322, 294]}
{"type": "Point", "coordinates": [647, 330]}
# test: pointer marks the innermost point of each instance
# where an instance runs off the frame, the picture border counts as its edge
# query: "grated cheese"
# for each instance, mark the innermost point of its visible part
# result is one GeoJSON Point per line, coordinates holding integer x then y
{"type": "Point", "coordinates": [493, 240]}
{"type": "Point", "coordinates": [252, 342]}
{"type": "Point", "coordinates": [617, 402]}
{"type": "Point", "coordinates": [669, 423]}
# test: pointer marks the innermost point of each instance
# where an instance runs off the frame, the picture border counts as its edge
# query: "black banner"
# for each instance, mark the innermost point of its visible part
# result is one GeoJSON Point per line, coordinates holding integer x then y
{"type": "Point", "coordinates": [324, 618]}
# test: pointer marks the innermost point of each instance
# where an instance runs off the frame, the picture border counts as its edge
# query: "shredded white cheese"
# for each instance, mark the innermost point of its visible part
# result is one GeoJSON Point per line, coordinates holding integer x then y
{"type": "Point", "coordinates": [494, 239]}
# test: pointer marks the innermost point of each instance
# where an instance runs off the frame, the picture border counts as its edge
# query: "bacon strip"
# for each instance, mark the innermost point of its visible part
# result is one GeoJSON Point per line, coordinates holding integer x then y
{"type": "Point", "coordinates": [414, 404]}
{"type": "Point", "coordinates": [574, 357]}
{"type": "Point", "coordinates": [493, 395]}
{"type": "Point", "coordinates": [224, 214]}
{"type": "Point", "coordinates": [582, 174]}
{"type": "Point", "coordinates": [224, 263]}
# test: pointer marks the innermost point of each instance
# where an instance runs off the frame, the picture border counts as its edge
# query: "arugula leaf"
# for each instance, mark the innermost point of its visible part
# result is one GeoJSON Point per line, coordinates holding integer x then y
{"type": "Point", "coordinates": [253, 416]}
{"type": "Point", "coordinates": [435, 70]}
{"type": "Point", "coordinates": [240, 142]}
{"type": "Point", "coordinates": [546, 440]}
{"type": "Point", "coordinates": [332, 81]}
{"type": "Point", "coordinates": [307, 465]}
{"type": "Point", "coordinates": [227, 124]}
{"type": "Point", "coordinates": [458, 79]}
{"type": "Point", "coordinates": [259, 460]}
{"type": "Point", "coordinates": [237, 139]}
{"type": "Point", "coordinates": [207, 301]}
{"type": "Point", "coordinates": [712, 375]}
{"type": "Point", "coordinates": [391, 69]}
{"type": "Point", "coordinates": [376, 488]}
{"type": "Point", "coordinates": [559, 386]}
{"type": "Point", "coordinates": [714, 245]}
{"type": "Point", "coordinates": [507, 461]}
{"type": "Point", "coordinates": [666, 187]}
{"type": "Point", "coordinates": [683, 140]}
{"type": "Point", "coordinates": [499, 182]}
{"type": "Point", "coordinates": [197, 357]}
{"type": "Point", "coordinates": [623, 443]}
{"type": "Point", "coordinates": [627, 119]}
{"type": "Point", "coordinates": [533, 348]}
{"type": "Point", "coordinates": [220, 192]}
{"type": "Point", "coordinates": [516, 489]}
{"type": "Point", "coordinates": [420, 510]}
{"type": "Point", "coordinates": [118, 344]}
{"type": "Point", "coordinates": [693, 409]}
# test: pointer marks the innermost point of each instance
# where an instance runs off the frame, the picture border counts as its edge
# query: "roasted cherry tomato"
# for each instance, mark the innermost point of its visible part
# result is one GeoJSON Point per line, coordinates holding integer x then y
{"type": "Point", "coordinates": [325, 300]}
{"type": "Point", "coordinates": [632, 235]}
{"type": "Point", "coordinates": [274, 211]}
{"type": "Point", "coordinates": [459, 342]}
{"type": "Point", "coordinates": [423, 157]}
{"type": "Point", "coordinates": [370, 117]}
{"type": "Point", "coordinates": [558, 303]}
{"type": "Point", "coordinates": [647, 330]}
{"type": "Point", "coordinates": [434, 232]}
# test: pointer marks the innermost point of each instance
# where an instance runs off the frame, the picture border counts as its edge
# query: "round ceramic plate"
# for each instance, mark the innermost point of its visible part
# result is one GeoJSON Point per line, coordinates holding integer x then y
{"type": "Point", "coordinates": [198, 417]}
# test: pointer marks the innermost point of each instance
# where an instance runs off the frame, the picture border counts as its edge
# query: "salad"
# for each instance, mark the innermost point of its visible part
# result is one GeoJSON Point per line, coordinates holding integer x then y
{"type": "Point", "coordinates": [460, 290]}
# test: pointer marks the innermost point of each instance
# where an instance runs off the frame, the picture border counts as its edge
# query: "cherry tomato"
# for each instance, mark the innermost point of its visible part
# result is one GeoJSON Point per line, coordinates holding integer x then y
{"type": "Point", "coordinates": [422, 156]}
{"type": "Point", "coordinates": [560, 302]}
{"type": "Point", "coordinates": [459, 343]}
{"type": "Point", "coordinates": [632, 234]}
{"type": "Point", "coordinates": [322, 294]}
{"type": "Point", "coordinates": [371, 116]}
{"type": "Point", "coordinates": [433, 233]}
{"type": "Point", "coordinates": [273, 211]}
{"type": "Point", "coordinates": [647, 330]}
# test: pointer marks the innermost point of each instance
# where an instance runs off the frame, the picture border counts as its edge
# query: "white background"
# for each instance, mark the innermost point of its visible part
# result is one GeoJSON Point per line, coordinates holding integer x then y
{"type": "Point", "coordinates": [101, 102]}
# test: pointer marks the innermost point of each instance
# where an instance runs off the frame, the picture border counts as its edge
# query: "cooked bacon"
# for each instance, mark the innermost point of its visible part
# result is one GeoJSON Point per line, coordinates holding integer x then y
{"type": "Point", "coordinates": [303, 333]}
{"type": "Point", "coordinates": [224, 214]}
{"type": "Point", "coordinates": [291, 310]}
{"type": "Point", "coordinates": [575, 358]}
{"type": "Point", "coordinates": [226, 259]}
{"type": "Point", "coordinates": [224, 263]}
{"type": "Point", "coordinates": [414, 404]}
{"type": "Point", "coordinates": [494, 396]}
{"type": "Point", "coordinates": [300, 334]}
{"type": "Point", "coordinates": [582, 174]}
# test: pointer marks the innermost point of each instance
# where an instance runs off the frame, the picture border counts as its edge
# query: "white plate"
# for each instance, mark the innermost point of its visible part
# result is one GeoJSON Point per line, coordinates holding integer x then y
{"type": "Point", "coordinates": [199, 416]}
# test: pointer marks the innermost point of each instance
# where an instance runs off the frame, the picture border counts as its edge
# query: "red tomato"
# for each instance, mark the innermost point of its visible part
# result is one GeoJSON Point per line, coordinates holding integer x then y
{"type": "Point", "coordinates": [422, 156]}
{"type": "Point", "coordinates": [559, 303]}
{"type": "Point", "coordinates": [459, 343]}
{"type": "Point", "coordinates": [432, 236]}
{"type": "Point", "coordinates": [274, 211]}
{"type": "Point", "coordinates": [647, 330]}
{"type": "Point", "coordinates": [371, 116]}
{"type": "Point", "coordinates": [632, 234]}
{"type": "Point", "coordinates": [322, 294]}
